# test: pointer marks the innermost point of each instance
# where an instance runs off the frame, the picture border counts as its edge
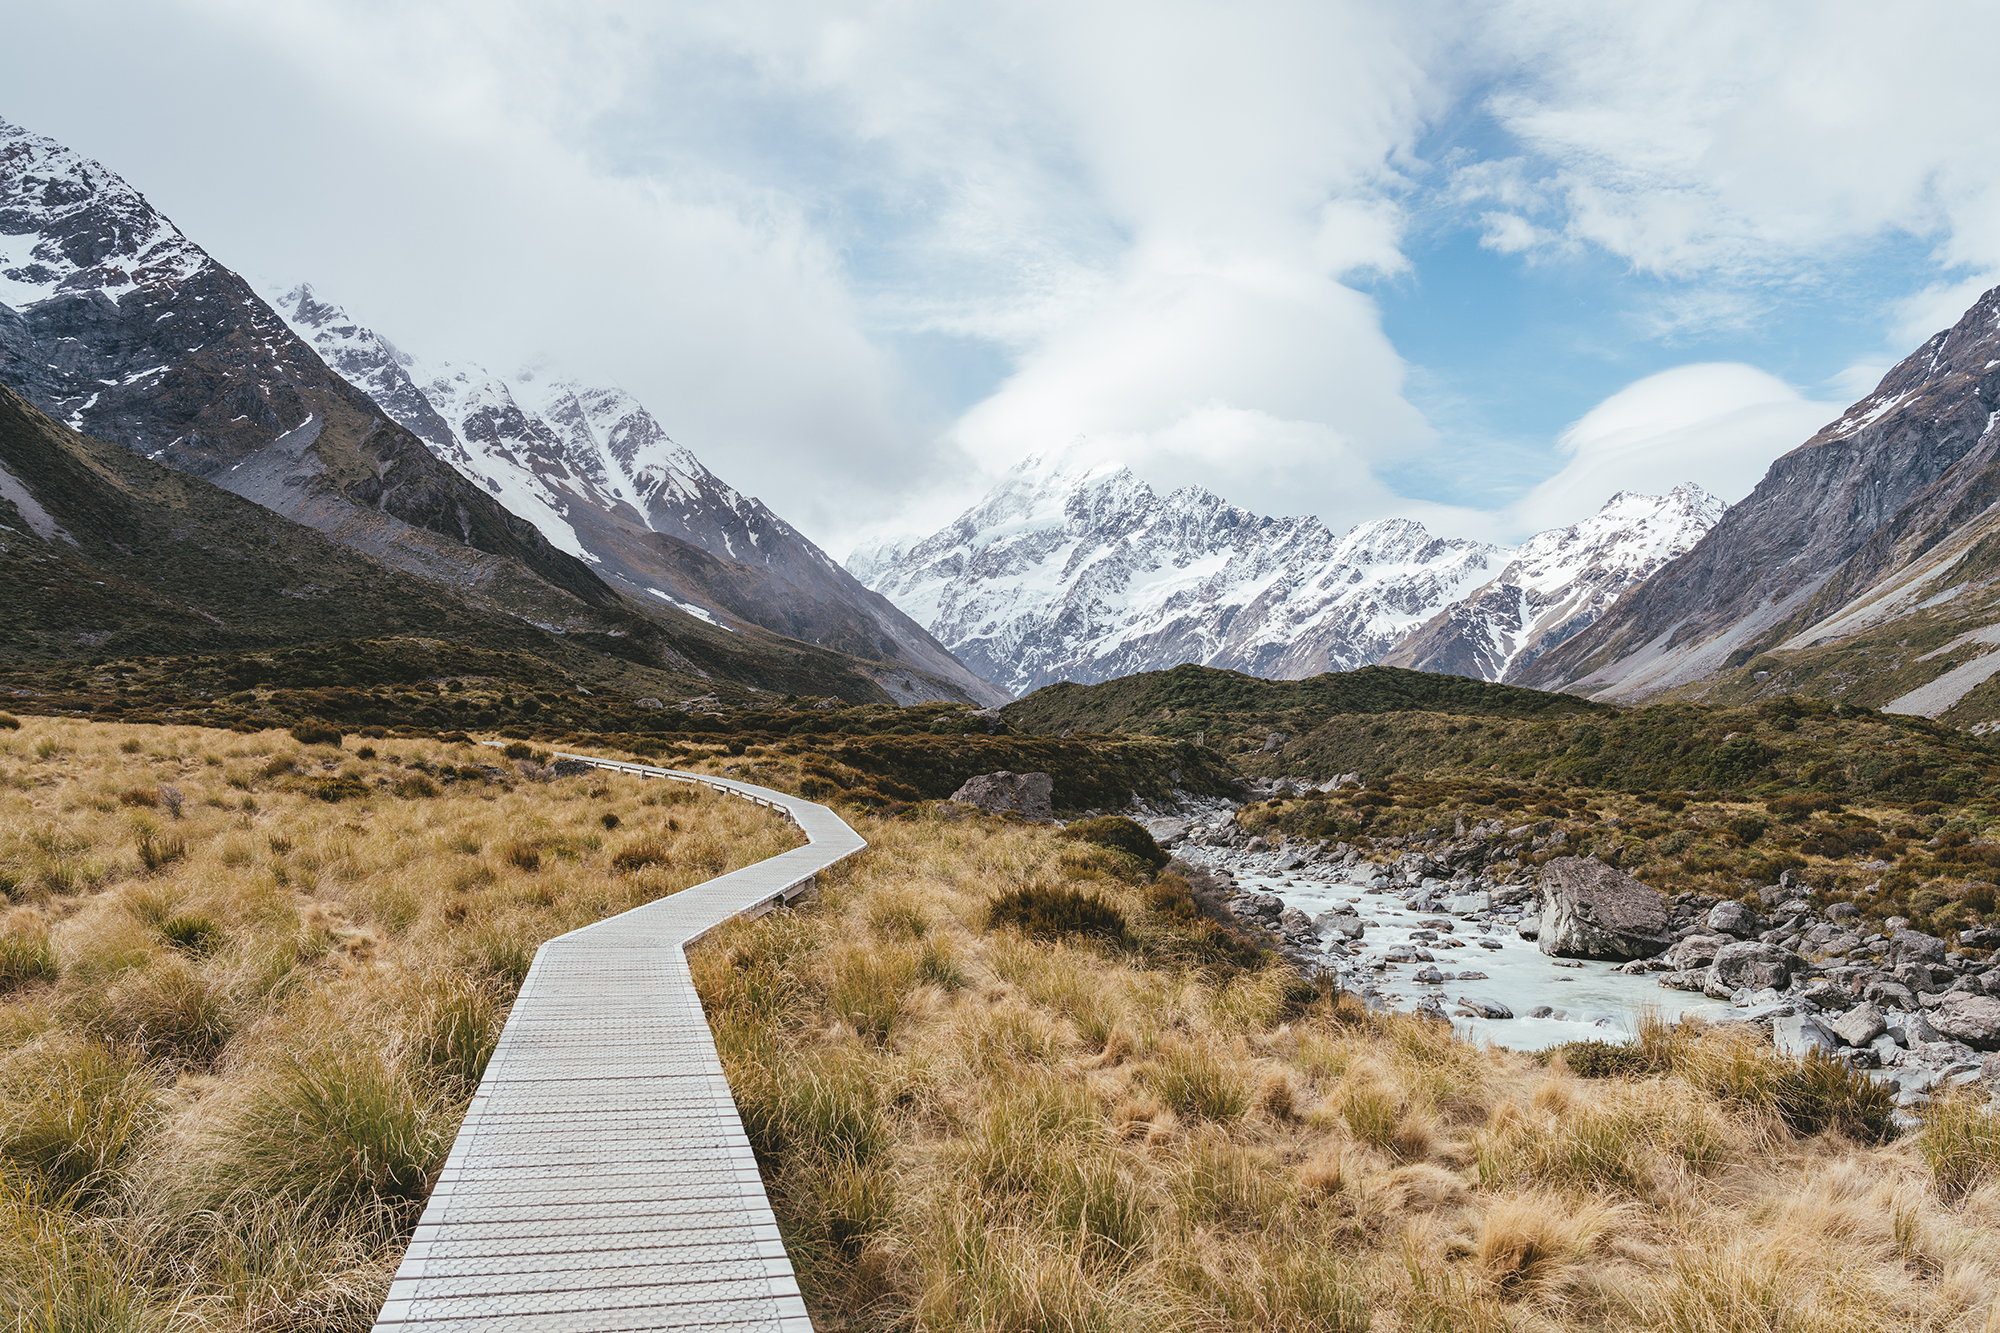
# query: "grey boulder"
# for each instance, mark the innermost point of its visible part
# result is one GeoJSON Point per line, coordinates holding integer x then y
{"type": "Point", "coordinates": [1735, 919]}
{"type": "Point", "coordinates": [1590, 910]}
{"type": "Point", "coordinates": [1860, 1025]}
{"type": "Point", "coordinates": [1913, 946]}
{"type": "Point", "coordinates": [1747, 964]}
{"type": "Point", "coordinates": [1795, 1035]}
{"type": "Point", "coordinates": [1694, 951]}
{"type": "Point", "coordinates": [1972, 1019]}
{"type": "Point", "coordinates": [1484, 1007]}
{"type": "Point", "coordinates": [1029, 795]}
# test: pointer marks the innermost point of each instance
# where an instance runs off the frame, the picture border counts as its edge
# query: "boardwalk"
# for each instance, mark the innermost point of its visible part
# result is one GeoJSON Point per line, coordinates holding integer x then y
{"type": "Point", "coordinates": [602, 1179]}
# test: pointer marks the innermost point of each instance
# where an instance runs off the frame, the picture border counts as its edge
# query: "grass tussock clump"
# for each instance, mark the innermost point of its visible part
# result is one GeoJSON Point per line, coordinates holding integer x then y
{"type": "Point", "coordinates": [233, 1056]}
{"type": "Point", "coordinates": [1048, 911]}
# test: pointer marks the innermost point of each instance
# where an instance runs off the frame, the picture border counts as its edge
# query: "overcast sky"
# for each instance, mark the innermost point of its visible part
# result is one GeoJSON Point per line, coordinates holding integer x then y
{"type": "Point", "coordinates": [1478, 264]}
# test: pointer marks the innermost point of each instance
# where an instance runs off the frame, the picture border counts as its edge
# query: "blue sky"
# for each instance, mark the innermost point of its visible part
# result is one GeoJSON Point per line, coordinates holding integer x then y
{"type": "Point", "coordinates": [1480, 264]}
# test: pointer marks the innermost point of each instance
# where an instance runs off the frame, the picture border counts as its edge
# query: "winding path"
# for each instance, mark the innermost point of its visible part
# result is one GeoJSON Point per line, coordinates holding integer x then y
{"type": "Point", "coordinates": [602, 1180]}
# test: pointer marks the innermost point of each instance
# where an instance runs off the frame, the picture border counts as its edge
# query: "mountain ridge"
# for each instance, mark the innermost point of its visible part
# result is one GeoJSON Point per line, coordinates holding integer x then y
{"type": "Point", "coordinates": [595, 472]}
{"type": "Point", "coordinates": [1086, 573]}
{"type": "Point", "coordinates": [1859, 556]}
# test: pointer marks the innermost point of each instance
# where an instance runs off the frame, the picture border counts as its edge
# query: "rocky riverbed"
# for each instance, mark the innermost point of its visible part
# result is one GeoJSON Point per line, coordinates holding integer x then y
{"type": "Point", "coordinates": [1531, 957]}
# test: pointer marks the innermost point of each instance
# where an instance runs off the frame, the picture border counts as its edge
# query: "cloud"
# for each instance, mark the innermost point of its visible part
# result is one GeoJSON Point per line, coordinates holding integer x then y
{"type": "Point", "coordinates": [1718, 424]}
{"type": "Point", "coordinates": [1140, 223]}
{"type": "Point", "coordinates": [1713, 140]}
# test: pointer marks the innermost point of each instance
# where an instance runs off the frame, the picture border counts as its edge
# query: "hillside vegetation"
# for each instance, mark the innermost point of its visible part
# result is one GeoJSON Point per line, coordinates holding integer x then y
{"type": "Point", "coordinates": [1232, 711]}
{"type": "Point", "coordinates": [996, 1079]}
{"type": "Point", "coordinates": [126, 558]}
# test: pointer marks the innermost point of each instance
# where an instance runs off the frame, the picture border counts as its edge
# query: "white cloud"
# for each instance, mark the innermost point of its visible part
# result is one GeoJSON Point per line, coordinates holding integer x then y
{"type": "Point", "coordinates": [1718, 424]}
{"type": "Point", "coordinates": [1149, 216]}
{"type": "Point", "coordinates": [1713, 140]}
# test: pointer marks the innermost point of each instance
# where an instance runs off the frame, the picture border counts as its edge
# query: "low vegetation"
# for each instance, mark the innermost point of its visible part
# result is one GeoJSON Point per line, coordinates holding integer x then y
{"type": "Point", "coordinates": [248, 984]}
{"type": "Point", "coordinates": [997, 1079]}
{"type": "Point", "coordinates": [970, 1123]}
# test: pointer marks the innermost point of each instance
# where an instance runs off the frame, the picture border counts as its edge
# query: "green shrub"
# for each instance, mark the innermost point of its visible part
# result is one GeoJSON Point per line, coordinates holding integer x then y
{"type": "Point", "coordinates": [312, 731]}
{"type": "Point", "coordinates": [157, 851]}
{"type": "Point", "coordinates": [1050, 912]}
{"type": "Point", "coordinates": [198, 935]}
{"type": "Point", "coordinates": [1120, 834]}
{"type": "Point", "coordinates": [1748, 828]}
{"type": "Point", "coordinates": [519, 750]}
{"type": "Point", "coordinates": [416, 784]}
{"type": "Point", "coordinates": [1792, 809]}
{"type": "Point", "coordinates": [333, 790]}
{"type": "Point", "coordinates": [1820, 1093]}
{"type": "Point", "coordinates": [639, 855]}
{"type": "Point", "coordinates": [1604, 1059]}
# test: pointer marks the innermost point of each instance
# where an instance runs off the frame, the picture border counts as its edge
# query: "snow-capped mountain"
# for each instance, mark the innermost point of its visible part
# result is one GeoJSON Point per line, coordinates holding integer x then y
{"type": "Point", "coordinates": [116, 323]}
{"type": "Point", "coordinates": [1558, 583]}
{"type": "Point", "coordinates": [1069, 574]}
{"type": "Point", "coordinates": [592, 469]}
{"type": "Point", "coordinates": [1086, 574]}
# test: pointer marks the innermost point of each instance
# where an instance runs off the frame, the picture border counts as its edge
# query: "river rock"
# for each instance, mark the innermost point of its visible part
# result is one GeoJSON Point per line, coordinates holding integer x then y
{"type": "Point", "coordinates": [1484, 1007]}
{"type": "Point", "coordinates": [1029, 795]}
{"type": "Point", "coordinates": [1694, 951]}
{"type": "Point", "coordinates": [1727, 918]}
{"type": "Point", "coordinates": [1972, 1019]}
{"type": "Point", "coordinates": [1748, 964]}
{"type": "Point", "coordinates": [1860, 1025]}
{"type": "Point", "coordinates": [1349, 924]}
{"type": "Point", "coordinates": [1795, 1035]}
{"type": "Point", "coordinates": [1590, 910]}
{"type": "Point", "coordinates": [1913, 946]}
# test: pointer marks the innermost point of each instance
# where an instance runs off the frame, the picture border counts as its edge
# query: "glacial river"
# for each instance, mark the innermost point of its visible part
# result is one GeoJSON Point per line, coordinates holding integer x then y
{"type": "Point", "coordinates": [1592, 999]}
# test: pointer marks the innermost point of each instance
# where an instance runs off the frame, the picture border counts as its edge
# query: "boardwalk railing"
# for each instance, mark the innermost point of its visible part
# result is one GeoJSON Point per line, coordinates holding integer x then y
{"type": "Point", "coordinates": [602, 1179]}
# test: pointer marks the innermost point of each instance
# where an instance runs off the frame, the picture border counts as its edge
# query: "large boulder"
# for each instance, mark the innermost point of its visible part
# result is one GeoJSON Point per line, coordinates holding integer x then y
{"type": "Point", "coordinates": [1029, 795]}
{"type": "Point", "coordinates": [1748, 964]}
{"type": "Point", "coordinates": [1913, 946]}
{"type": "Point", "coordinates": [1692, 951]}
{"type": "Point", "coordinates": [1731, 918]}
{"type": "Point", "coordinates": [1796, 1035]}
{"type": "Point", "coordinates": [1590, 910]}
{"type": "Point", "coordinates": [1861, 1024]}
{"type": "Point", "coordinates": [1972, 1019]}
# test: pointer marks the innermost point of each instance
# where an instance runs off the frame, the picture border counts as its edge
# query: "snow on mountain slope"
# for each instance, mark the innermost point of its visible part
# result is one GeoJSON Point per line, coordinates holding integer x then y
{"type": "Point", "coordinates": [592, 469]}
{"type": "Point", "coordinates": [68, 225]}
{"type": "Point", "coordinates": [1558, 583]}
{"type": "Point", "coordinates": [1071, 574]}
{"type": "Point", "coordinates": [115, 323]}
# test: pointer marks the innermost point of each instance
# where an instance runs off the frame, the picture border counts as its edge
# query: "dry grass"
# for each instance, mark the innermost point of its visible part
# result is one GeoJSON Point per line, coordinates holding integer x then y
{"type": "Point", "coordinates": [227, 1075]}
{"type": "Point", "coordinates": [1089, 1134]}
{"type": "Point", "coordinates": [239, 1020]}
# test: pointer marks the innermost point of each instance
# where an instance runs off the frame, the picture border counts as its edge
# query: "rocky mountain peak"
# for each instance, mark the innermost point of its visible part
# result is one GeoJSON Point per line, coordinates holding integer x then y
{"type": "Point", "coordinates": [68, 224]}
{"type": "Point", "coordinates": [1860, 526]}
{"type": "Point", "coordinates": [1559, 582]}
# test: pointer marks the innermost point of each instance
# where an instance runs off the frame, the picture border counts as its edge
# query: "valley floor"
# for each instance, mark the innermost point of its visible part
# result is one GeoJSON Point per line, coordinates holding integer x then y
{"type": "Point", "coordinates": [251, 982]}
{"type": "Point", "coordinates": [968, 1128]}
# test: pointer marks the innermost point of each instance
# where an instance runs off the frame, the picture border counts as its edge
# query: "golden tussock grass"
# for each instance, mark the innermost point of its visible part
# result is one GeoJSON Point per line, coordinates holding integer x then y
{"type": "Point", "coordinates": [1135, 1134]}
{"type": "Point", "coordinates": [247, 988]}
